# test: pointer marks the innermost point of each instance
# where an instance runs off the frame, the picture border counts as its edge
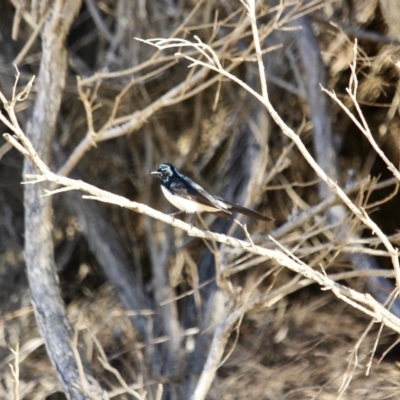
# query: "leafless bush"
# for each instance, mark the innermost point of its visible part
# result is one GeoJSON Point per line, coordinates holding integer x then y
{"type": "Point", "coordinates": [238, 96]}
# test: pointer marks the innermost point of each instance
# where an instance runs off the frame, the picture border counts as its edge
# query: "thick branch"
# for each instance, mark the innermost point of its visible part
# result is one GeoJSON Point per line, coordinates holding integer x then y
{"type": "Point", "coordinates": [39, 252]}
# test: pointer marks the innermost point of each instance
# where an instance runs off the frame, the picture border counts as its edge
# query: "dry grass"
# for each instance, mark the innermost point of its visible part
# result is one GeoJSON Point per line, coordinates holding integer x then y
{"type": "Point", "coordinates": [300, 350]}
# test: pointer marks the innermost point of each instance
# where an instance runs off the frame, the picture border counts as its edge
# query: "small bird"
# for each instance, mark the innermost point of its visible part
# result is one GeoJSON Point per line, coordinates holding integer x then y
{"type": "Point", "coordinates": [190, 197]}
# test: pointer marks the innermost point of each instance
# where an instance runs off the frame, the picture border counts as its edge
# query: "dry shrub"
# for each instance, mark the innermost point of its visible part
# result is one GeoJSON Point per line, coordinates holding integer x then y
{"type": "Point", "coordinates": [294, 344]}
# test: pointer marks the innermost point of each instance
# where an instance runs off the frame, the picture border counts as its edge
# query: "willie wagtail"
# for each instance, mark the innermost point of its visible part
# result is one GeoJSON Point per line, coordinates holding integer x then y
{"type": "Point", "coordinates": [190, 197]}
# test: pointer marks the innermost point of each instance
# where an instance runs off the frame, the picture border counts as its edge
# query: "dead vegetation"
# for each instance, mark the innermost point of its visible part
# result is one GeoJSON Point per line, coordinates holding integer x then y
{"type": "Point", "coordinates": [289, 107]}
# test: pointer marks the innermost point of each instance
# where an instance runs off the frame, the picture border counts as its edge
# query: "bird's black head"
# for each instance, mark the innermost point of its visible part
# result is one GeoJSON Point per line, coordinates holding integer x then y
{"type": "Point", "coordinates": [165, 171]}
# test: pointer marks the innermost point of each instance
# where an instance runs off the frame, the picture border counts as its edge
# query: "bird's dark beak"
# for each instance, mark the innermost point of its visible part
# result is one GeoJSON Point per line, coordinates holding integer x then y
{"type": "Point", "coordinates": [156, 173]}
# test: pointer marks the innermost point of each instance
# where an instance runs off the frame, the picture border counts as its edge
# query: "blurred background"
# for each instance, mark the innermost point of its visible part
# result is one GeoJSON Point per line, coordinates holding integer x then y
{"type": "Point", "coordinates": [143, 297]}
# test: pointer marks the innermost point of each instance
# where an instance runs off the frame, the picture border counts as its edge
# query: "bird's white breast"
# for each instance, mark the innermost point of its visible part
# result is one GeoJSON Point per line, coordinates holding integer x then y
{"type": "Point", "coordinates": [186, 205]}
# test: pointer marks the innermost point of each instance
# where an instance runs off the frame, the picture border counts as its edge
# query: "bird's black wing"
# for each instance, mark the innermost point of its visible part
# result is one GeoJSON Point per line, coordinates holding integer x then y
{"type": "Point", "coordinates": [188, 189]}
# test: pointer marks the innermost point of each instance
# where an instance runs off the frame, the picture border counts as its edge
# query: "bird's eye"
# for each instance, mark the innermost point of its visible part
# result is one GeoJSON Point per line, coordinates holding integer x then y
{"type": "Point", "coordinates": [164, 171]}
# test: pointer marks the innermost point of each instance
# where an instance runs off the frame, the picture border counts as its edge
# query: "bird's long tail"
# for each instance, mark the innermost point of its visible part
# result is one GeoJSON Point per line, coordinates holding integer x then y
{"type": "Point", "coordinates": [247, 211]}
